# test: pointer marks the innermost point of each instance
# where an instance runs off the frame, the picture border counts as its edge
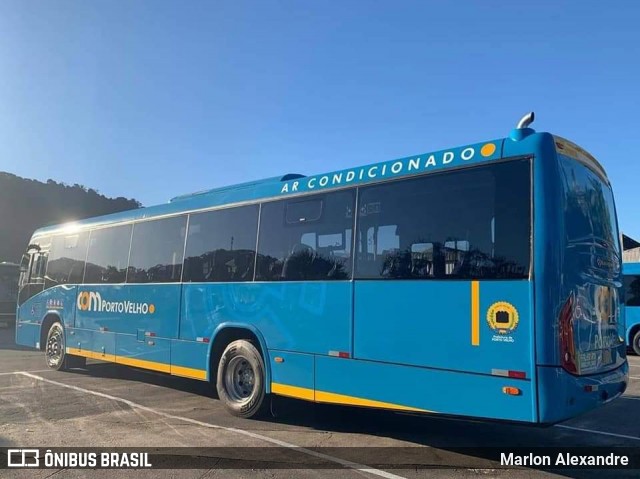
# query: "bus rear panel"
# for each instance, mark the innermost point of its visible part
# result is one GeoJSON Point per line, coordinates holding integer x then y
{"type": "Point", "coordinates": [581, 351]}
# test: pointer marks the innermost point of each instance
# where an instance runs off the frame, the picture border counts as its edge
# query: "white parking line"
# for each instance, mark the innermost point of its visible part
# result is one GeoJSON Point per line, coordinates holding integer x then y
{"type": "Point", "coordinates": [20, 372]}
{"type": "Point", "coordinates": [337, 460]}
{"type": "Point", "coordinates": [593, 431]}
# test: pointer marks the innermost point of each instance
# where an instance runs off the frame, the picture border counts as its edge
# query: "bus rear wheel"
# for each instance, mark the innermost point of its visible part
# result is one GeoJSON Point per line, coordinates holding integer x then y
{"type": "Point", "coordinates": [55, 352]}
{"type": "Point", "coordinates": [241, 380]}
{"type": "Point", "coordinates": [636, 343]}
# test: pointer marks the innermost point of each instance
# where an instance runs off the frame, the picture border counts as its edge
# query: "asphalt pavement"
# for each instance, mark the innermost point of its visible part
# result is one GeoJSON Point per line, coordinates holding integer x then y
{"type": "Point", "coordinates": [108, 406]}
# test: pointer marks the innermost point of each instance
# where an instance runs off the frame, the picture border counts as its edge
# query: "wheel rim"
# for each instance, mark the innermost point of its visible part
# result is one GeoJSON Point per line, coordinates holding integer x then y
{"type": "Point", "coordinates": [55, 347]}
{"type": "Point", "coordinates": [239, 379]}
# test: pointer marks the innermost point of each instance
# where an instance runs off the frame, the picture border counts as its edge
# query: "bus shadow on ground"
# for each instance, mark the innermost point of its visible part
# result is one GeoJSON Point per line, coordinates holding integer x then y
{"type": "Point", "coordinates": [127, 373]}
{"type": "Point", "coordinates": [448, 442]}
{"type": "Point", "coordinates": [452, 443]}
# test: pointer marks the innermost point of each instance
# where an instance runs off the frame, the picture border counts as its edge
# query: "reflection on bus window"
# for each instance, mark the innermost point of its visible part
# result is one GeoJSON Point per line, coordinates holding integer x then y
{"type": "Point", "coordinates": [461, 225]}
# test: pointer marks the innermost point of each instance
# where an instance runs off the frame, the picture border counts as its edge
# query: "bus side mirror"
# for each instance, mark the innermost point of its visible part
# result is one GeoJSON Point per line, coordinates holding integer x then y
{"type": "Point", "coordinates": [33, 247]}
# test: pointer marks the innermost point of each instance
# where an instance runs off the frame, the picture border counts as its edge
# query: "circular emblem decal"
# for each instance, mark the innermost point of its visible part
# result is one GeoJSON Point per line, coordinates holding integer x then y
{"type": "Point", "coordinates": [502, 317]}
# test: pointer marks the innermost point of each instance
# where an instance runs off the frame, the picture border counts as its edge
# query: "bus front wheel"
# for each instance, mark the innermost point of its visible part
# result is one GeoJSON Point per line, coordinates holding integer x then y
{"type": "Point", "coordinates": [636, 343]}
{"type": "Point", "coordinates": [241, 379]}
{"type": "Point", "coordinates": [55, 353]}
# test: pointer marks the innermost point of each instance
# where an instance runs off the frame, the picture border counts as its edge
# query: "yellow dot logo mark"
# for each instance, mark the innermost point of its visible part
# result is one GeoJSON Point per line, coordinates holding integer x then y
{"type": "Point", "coordinates": [152, 309]}
{"type": "Point", "coordinates": [488, 149]}
{"type": "Point", "coordinates": [84, 300]}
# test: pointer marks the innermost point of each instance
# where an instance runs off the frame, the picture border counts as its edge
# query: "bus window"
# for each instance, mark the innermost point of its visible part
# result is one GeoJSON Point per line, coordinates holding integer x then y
{"type": "Point", "coordinates": [301, 211]}
{"type": "Point", "coordinates": [33, 268]}
{"type": "Point", "coordinates": [632, 290]}
{"type": "Point", "coordinates": [464, 225]}
{"type": "Point", "coordinates": [108, 255]}
{"type": "Point", "coordinates": [221, 245]}
{"type": "Point", "coordinates": [38, 268]}
{"type": "Point", "coordinates": [306, 240]}
{"type": "Point", "coordinates": [66, 260]}
{"type": "Point", "coordinates": [157, 248]}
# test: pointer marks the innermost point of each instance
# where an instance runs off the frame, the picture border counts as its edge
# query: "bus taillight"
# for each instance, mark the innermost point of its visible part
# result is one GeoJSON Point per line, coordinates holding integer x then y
{"type": "Point", "coordinates": [567, 344]}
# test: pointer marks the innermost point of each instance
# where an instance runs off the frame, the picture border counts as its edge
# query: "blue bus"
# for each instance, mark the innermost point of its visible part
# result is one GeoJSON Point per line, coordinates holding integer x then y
{"type": "Point", "coordinates": [480, 281]}
{"type": "Point", "coordinates": [631, 273]}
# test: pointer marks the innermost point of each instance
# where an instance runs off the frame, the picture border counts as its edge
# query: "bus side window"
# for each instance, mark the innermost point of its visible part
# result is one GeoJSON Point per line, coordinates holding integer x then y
{"type": "Point", "coordinates": [25, 264]}
{"type": "Point", "coordinates": [632, 290]}
{"type": "Point", "coordinates": [305, 240]}
{"type": "Point", "coordinates": [38, 268]}
{"type": "Point", "coordinates": [221, 245]}
{"type": "Point", "coordinates": [108, 255]}
{"type": "Point", "coordinates": [475, 226]}
{"type": "Point", "coordinates": [67, 257]}
{"type": "Point", "coordinates": [157, 248]}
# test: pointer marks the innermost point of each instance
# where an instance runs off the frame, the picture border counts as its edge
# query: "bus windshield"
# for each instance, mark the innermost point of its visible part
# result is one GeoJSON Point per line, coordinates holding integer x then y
{"type": "Point", "coordinates": [592, 263]}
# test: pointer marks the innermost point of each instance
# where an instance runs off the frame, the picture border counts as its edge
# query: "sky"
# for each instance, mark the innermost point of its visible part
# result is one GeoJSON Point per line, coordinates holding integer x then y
{"type": "Point", "coordinates": [153, 99]}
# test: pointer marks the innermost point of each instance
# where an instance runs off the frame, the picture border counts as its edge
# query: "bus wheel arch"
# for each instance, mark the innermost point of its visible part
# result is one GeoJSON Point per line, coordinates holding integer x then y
{"type": "Point", "coordinates": [226, 334]}
{"type": "Point", "coordinates": [238, 369]}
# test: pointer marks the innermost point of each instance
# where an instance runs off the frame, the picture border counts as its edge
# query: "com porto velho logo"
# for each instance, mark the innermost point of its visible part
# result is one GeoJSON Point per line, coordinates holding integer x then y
{"type": "Point", "coordinates": [93, 301]}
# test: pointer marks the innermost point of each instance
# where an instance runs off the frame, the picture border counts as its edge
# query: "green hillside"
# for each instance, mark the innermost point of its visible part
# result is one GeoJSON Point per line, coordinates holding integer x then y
{"type": "Point", "coordinates": [26, 205]}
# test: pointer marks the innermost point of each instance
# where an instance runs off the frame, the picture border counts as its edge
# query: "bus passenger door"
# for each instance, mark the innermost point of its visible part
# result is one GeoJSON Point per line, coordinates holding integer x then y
{"type": "Point", "coordinates": [32, 276]}
{"type": "Point", "coordinates": [30, 310]}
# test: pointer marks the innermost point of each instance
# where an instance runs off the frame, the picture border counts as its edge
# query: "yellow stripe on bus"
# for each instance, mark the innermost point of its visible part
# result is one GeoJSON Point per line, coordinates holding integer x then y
{"type": "Point", "coordinates": [333, 398]}
{"type": "Point", "coordinates": [276, 388]}
{"type": "Point", "coordinates": [141, 363]}
{"type": "Point", "coordinates": [189, 372]}
{"type": "Point", "coordinates": [475, 313]}
{"type": "Point", "coordinates": [292, 391]}
{"type": "Point", "coordinates": [92, 354]}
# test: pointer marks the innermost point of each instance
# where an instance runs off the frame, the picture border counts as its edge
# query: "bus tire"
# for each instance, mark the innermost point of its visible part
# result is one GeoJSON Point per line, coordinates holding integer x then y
{"type": "Point", "coordinates": [54, 349]}
{"type": "Point", "coordinates": [636, 343]}
{"type": "Point", "coordinates": [241, 380]}
{"type": "Point", "coordinates": [55, 352]}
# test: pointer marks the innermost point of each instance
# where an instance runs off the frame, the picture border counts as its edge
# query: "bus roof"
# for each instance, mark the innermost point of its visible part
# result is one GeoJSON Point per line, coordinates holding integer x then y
{"type": "Point", "coordinates": [521, 142]}
{"type": "Point", "coordinates": [631, 268]}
